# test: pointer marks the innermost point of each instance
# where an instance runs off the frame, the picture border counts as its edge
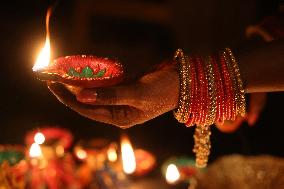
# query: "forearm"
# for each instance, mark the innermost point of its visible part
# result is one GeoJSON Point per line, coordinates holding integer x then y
{"type": "Point", "coordinates": [262, 67]}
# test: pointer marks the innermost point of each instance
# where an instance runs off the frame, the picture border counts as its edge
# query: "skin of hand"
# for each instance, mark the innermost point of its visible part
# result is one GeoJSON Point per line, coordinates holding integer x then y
{"type": "Point", "coordinates": [125, 105]}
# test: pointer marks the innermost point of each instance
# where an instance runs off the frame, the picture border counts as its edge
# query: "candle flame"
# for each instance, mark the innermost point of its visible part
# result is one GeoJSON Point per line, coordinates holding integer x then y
{"type": "Point", "coordinates": [111, 154]}
{"type": "Point", "coordinates": [172, 174]}
{"type": "Point", "coordinates": [39, 138]}
{"type": "Point", "coordinates": [43, 58]}
{"type": "Point", "coordinates": [81, 154]}
{"type": "Point", "coordinates": [35, 150]}
{"type": "Point", "coordinates": [128, 157]}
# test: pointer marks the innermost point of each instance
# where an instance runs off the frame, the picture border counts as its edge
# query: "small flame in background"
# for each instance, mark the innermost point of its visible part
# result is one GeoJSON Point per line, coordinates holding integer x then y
{"type": "Point", "coordinates": [81, 154]}
{"type": "Point", "coordinates": [39, 138]}
{"type": "Point", "coordinates": [35, 151]}
{"type": "Point", "coordinates": [172, 174]}
{"type": "Point", "coordinates": [112, 154]}
{"type": "Point", "coordinates": [127, 154]}
{"type": "Point", "coordinates": [43, 58]}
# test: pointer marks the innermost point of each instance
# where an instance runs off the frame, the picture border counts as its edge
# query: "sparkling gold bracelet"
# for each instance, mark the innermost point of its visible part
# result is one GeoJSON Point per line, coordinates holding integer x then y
{"type": "Point", "coordinates": [241, 102]}
{"type": "Point", "coordinates": [181, 114]}
{"type": "Point", "coordinates": [210, 91]}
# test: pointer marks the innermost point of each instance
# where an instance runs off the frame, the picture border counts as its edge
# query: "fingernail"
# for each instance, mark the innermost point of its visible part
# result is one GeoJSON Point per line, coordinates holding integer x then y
{"type": "Point", "coordinates": [87, 96]}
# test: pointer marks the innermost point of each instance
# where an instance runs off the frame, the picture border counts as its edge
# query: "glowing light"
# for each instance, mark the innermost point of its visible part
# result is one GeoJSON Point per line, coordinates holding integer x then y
{"type": "Point", "coordinates": [172, 174]}
{"type": "Point", "coordinates": [43, 58]}
{"type": "Point", "coordinates": [39, 138]}
{"type": "Point", "coordinates": [35, 150]}
{"type": "Point", "coordinates": [111, 154]}
{"type": "Point", "coordinates": [128, 157]}
{"type": "Point", "coordinates": [59, 151]}
{"type": "Point", "coordinates": [81, 154]}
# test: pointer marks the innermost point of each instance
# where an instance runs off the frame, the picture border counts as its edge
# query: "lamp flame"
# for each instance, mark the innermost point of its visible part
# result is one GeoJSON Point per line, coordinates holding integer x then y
{"type": "Point", "coordinates": [35, 151]}
{"type": "Point", "coordinates": [111, 154]}
{"type": "Point", "coordinates": [39, 138]}
{"type": "Point", "coordinates": [172, 174]}
{"type": "Point", "coordinates": [128, 157]}
{"type": "Point", "coordinates": [81, 154]}
{"type": "Point", "coordinates": [43, 58]}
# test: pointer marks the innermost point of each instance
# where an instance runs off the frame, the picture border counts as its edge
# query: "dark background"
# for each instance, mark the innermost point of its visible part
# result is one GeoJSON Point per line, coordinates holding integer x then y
{"type": "Point", "coordinates": [140, 34]}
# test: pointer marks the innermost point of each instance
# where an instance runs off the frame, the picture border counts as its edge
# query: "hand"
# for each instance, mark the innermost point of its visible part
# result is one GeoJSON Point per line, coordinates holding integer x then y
{"type": "Point", "coordinates": [256, 106]}
{"type": "Point", "coordinates": [125, 105]}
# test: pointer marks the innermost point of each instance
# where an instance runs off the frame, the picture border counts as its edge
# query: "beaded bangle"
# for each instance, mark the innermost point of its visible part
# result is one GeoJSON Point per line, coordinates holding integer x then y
{"type": "Point", "coordinates": [198, 90]}
{"type": "Point", "coordinates": [240, 88]}
{"type": "Point", "coordinates": [211, 91]}
{"type": "Point", "coordinates": [181, 114]}
{"type": "Point", "coordinates": [233, 87]}
{"type": "Point", "coordinates": [228, 91]}
{"type": "Point", "coordinates": [193, 99]}
{"type": "Point", "coordinates": [220, 94]}
{"type": "Point", "coordinates": [204, 91]}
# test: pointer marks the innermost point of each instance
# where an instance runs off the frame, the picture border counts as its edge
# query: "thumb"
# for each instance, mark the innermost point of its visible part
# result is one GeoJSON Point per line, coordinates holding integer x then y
{"type": "Point", "coordinates": [119, 95]}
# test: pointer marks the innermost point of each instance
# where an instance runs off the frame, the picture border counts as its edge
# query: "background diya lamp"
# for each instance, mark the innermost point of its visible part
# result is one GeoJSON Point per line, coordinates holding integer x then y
{"type": "Point", "coordinates": [136, 162]}
{"type": "Point", "coordinates": [145, 162]}
{"type": "Point", "coordinates": [50, 165]}
{"type": "Point", "coordinates": [12, 166]}
{"type": "Point", "coordinates": [12, 154]}
{"type": "Point", "coordinates": [100, 168]}
{"type": "Point", "coordinates": [178, 170]}
{"type": "Point", "coordinates": [59, 138]}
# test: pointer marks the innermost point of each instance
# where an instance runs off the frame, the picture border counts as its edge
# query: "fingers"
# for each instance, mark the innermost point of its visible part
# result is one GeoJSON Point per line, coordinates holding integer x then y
{"type": "Point", "coordinates": [119, 95]}
{"type": "Point", "coordinates": [230, 126]}
{"type": "Point", "coordinates": [122, 116]}
{"type": "Point", "coordinates": [65, 97]}
{"type": "Point", "coordinates": [257, 103]}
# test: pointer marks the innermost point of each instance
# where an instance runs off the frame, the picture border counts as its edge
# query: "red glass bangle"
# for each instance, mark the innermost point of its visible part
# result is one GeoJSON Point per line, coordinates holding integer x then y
{"type": "Point", "coordinates": [196, 95]}
{"type": "Point", "coordinates": [192, 105]}
{"type": "Point", "coordinates": [220, 92]}
{"type": "Point", "coordinates": [206, 94]}
{"type": "Point", "coordinates": [228, 91]}
{"type": "Point", "coordinates": [200, 80]}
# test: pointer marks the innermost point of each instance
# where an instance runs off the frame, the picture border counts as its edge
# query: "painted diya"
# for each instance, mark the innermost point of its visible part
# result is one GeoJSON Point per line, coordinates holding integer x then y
{"type": "Point", "coordinates": [84, 71]}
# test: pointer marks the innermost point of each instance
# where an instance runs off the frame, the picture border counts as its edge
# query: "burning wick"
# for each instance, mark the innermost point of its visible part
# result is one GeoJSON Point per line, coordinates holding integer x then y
{"type": "Point", "coordinates": [43, 58]}
{"type": "Point", "coordinates": [128, 157]}
{"type": "Point", "coordinates": [172, 174]}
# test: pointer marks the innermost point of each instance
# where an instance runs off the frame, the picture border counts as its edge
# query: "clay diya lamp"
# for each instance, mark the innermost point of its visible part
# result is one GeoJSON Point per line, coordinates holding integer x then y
{"type": "Point", "coordinates": [145, 162]}
{"type": "Point", "coordinates": [82, 71]}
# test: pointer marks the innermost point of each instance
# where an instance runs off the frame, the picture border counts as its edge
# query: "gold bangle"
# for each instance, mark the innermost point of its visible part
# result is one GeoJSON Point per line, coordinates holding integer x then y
{"type": "Point", "coordinates": [182, 114]}
{"type": "Point", "coordinates": [241, 102]}
{"type": "Point", "coordinates": [234, 86]}
{"type": "Point", "coordinates": [211, 92]}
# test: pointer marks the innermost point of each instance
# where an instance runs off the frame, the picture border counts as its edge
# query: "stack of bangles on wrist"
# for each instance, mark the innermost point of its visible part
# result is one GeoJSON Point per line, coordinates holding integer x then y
{"type": "Point", "coordinates": [211, 91]}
